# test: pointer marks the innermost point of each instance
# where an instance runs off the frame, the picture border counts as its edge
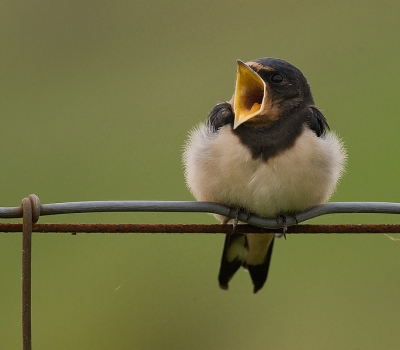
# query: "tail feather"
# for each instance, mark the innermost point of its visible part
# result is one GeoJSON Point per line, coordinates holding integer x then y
{"type": "Point", "coordinates": [252, 251]}
{"type": "Point", "coordinates": [233, 255]}
{"type": "Point", "coordinates": [259, 273]}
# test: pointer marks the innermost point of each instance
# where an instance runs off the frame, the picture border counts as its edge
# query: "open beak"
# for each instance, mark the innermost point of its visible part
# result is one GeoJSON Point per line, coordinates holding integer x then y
{"type": "Point", "coordinates": [250, 94]}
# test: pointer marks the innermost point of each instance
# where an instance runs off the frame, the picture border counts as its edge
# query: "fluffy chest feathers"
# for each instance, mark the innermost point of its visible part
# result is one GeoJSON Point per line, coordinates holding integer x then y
{"type": "Point", "coordinates": [219, 168]}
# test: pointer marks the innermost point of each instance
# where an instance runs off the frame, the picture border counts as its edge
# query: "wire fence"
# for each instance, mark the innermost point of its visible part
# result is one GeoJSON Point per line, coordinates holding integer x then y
{"type": "Point", "coordinates": [31, 209]}
{"type": "Point", "coordinates": [198, 207]}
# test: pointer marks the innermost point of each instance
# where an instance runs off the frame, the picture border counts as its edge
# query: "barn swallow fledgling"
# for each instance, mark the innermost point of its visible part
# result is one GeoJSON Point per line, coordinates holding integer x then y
{"type": "Point", "coordinates": [267, 151]}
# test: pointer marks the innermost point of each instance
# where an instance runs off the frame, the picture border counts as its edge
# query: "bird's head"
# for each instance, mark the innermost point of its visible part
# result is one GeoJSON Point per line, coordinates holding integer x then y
{"type": "Point", "coordinates": [266, 89]}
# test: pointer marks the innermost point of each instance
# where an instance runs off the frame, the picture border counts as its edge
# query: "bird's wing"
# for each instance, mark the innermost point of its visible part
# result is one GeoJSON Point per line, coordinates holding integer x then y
{"type": "Point", "coordinates": [317, 121]}
{"type": "Point", "coordinates": [219, 116]}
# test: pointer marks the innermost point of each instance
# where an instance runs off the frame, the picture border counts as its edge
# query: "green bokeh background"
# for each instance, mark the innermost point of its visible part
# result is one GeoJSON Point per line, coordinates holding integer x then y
{"type": "Point", "coordinates": [96, 102]}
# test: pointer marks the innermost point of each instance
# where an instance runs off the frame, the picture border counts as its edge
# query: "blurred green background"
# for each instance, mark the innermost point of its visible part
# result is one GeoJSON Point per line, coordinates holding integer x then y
{"type": "Point", "coordinates": [96, 101]}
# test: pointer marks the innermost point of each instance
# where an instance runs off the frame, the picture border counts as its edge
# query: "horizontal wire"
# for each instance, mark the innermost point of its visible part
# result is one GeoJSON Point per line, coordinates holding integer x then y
{"type": "Point", "coordinates": [198, 228]}
{"type": "Point", "coordinates": [205, 207]}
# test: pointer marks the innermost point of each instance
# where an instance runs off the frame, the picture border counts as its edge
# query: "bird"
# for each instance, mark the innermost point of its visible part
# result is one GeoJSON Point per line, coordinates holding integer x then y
{"type": "Point", "coordinates": [268, 151]}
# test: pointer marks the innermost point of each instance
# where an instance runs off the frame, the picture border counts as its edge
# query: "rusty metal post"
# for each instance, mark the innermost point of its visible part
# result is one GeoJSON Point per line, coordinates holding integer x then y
{"type": "Point", "coordinates": [26, 273]}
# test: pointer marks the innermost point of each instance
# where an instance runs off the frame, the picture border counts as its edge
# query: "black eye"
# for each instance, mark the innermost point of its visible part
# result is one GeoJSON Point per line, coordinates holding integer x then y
{"type": "Point", "coordinates": [276, 78]}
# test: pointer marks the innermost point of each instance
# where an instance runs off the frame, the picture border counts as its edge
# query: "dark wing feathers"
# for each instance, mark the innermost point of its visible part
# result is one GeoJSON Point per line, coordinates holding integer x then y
{"type": "Point", "coordinates": [222, 114]}
{"type": "Point", "coordinates": [317, 121]}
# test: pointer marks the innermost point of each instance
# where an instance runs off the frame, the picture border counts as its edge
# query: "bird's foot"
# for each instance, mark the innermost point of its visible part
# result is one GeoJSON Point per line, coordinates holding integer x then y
{"type": "Point", "coordinates": [284, 226]}
{"type": "Point", "coordinates": [227, 218]}
{"type": "Point", "coordinates": [235, 219]}
{"type": "Point", "coordinates": [295, 218]}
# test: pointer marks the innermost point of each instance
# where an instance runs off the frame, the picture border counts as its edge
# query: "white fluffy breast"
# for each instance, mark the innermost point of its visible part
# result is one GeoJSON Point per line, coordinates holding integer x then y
{"type": "Point", "coordinates": [219, 168]}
